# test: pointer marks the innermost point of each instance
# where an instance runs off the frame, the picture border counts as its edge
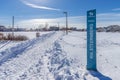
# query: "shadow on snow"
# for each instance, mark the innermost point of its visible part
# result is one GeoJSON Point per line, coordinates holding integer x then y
{"type": "Point", "coordinates": [99, 75]}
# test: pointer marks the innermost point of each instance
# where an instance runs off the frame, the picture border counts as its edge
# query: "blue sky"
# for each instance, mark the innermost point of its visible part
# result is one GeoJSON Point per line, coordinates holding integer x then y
{"type": "Point", "coordinates": [36, 12]}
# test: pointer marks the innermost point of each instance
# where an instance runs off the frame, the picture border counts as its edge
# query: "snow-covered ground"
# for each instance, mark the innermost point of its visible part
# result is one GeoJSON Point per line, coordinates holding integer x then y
{"type": "Point", "coordinates": [56, 56]}
{"type": "Point", "coordinates": [108, 54]}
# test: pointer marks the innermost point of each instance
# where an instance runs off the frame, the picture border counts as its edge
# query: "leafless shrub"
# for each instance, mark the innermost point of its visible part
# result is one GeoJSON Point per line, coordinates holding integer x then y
{"type": "Point", "coordinates": [1, 36]}
{"type": "Point", "coordinates": [15, 38]}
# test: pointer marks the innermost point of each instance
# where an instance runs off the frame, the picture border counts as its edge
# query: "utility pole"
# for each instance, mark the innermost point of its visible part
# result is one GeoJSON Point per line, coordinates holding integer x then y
{"type": "Point", "coordinates": [66, 15]}
{"type": "Point", "coordinates": [13, 26]}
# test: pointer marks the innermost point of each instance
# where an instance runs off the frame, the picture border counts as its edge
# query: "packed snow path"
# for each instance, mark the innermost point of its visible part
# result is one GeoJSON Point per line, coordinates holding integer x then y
{"type": "Point", "coordinates": [56, 56]}
{"type": "Point", "coordinates": [40, 59]}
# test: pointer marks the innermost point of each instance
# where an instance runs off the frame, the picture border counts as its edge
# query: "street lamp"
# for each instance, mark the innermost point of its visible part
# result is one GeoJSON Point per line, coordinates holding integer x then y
{"type": "Point", "coordinates": [66, 15]}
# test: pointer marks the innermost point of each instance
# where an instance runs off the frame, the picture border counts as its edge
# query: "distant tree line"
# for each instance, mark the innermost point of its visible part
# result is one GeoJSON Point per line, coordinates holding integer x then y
{"type": "Point", "coordinates": [111, 28]}
{"type": "Point", "coordinates": [3, 28]}
{"type": "Point", "coordinates": [51, 28]}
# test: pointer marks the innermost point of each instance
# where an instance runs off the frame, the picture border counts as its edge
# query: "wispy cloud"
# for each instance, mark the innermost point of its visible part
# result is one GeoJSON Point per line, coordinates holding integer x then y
{"type": "Point", "coordinates": [103, 20]}
{"type": "Point", "coordinates": [116, 9]}
{"type": "Point", "coordinates": [77, 21]}
{"type": "Point", "coordinates": [39, 7]}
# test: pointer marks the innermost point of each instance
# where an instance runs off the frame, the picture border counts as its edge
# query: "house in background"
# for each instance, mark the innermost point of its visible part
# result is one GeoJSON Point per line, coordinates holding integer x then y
{"type": "Point", "coordinates": [2, 28]}
{"type": "Point", "coordinates": [53, 28]}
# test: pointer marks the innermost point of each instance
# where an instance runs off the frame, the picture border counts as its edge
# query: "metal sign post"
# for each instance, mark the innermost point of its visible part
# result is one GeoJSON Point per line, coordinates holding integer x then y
{"type": "Point", "coordinates": [91, 40]}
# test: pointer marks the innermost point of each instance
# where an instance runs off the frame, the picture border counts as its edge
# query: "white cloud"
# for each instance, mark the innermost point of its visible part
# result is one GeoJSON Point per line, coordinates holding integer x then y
{"type": "Point", "coordinates": [116, 9]}
{"type": "Point", "coordinates": [77, 21]}
{"type": "Point", "coordinates": [39, 7]}
{"type": "Point", "coordinates": [104, 19]}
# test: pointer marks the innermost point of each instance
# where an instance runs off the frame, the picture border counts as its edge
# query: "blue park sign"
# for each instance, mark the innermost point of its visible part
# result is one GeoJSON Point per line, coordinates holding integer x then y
{"type": "Point", "coordinates": [91, 40]}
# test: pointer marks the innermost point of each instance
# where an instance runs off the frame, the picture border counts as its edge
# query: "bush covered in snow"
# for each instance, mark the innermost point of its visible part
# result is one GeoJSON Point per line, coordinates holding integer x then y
{"type": "Point", "coordinates": [111, 28]}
